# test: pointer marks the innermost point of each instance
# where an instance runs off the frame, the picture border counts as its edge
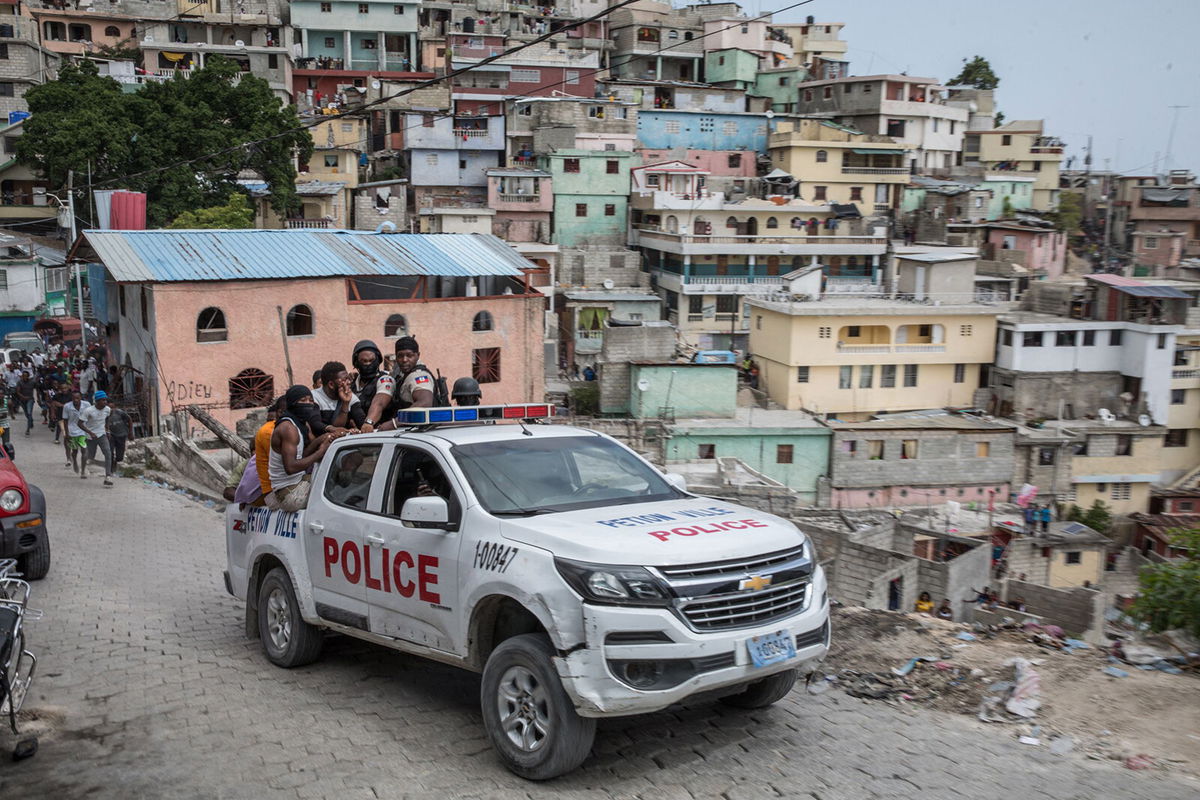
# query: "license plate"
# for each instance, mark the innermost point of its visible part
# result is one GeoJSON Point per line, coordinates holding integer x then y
{"type": "Point", "coordinates": [771, 648]}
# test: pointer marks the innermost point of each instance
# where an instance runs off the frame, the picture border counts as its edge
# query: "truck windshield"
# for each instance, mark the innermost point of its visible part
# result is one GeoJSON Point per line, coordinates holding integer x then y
{"type": "Point", "coordinates": [520, 477]}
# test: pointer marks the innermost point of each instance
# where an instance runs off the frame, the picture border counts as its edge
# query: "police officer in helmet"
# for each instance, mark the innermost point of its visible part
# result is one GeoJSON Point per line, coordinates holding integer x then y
{"type": "Point", "coordinates": [410, 387]}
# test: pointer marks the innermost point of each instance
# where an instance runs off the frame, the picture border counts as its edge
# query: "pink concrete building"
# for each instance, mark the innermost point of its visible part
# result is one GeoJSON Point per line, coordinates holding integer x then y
{"type": "Point", "coordinates": [523, 200]}
{"type": "Point", "coordinates": [1042, 249]}
{"type": "Point", "coordinates": [719, 163]}
{"type": "Point", "coordinates": [220, 318]}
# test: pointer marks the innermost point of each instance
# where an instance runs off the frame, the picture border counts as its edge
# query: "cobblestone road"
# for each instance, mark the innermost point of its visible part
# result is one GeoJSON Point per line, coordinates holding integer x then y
{"type": "Point", "coordinates": [151, 690]}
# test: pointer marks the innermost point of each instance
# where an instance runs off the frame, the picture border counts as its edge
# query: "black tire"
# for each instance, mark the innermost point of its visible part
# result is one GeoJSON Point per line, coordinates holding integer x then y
{"type": "Point", "coordinates": [36, 563]}
{"type": "Point", "coordinates": [286, 638]}
{"type": "Point", "coordinates": [566, 737]}
{"type": "Point", "coordinates": [765, 692]}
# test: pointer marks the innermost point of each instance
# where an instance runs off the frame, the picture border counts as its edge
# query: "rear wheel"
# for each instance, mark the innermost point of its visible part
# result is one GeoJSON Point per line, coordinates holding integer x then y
{"type": "Point", "coordinates": [765, 692]}
{"type": "Point", "coordinates": [36, 563]}
{"type": "Point", "coordinates": [527, 713]}
{"type": "Point", "coordinates": [288, 640]}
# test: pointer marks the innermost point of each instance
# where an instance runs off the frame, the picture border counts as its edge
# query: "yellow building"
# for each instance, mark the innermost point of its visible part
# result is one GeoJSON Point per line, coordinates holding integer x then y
{"type": "Point", "coordinates": [837, 164]}
{"type": "Point", "coordinates": [1119, 463]}
{"type": "Point", "coordinates": [1069, 554]}
{"type": "Point", "coordinates": [1181, 445]}
{"type": "Point", "coordinates": [1019, 149]}
{"type": "Point", "coordinates": [850, 356]}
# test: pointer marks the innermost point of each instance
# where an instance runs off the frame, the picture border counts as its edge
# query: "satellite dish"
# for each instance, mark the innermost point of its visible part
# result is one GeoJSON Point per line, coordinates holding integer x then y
{"type": "Point", "coordinates": [1103, 412]}
{"type": "Point", "coordinates": [770, 115]}
{"type": "Point", "coordinates": [608, 284]}
{"type": "Point", "coordinates": [149, 39]}
{"type": "Point", "coordinates": [643, 384]}
{"type": "Point", "coordinates": [1143, 420]}
{"type": "Point", "coordinates": [375, 84]}
{"type": "Point", "coordinates": [239, 43]}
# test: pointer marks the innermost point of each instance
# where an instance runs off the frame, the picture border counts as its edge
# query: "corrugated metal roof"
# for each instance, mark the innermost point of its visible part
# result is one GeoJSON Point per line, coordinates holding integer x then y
{"type": "Point", "coordinates": [227, 255]}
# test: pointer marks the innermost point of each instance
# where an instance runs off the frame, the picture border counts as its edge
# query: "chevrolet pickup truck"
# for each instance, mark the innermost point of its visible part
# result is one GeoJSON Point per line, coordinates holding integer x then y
{"type": "Point", "coordinates": [578, 579]}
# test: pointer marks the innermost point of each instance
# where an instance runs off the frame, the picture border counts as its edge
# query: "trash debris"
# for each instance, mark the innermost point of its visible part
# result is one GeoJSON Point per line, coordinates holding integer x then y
{"type": "Point", "coordinates": [1061, 745]}
{"type": "Point", "coordinates": [967, 637]}
{"type": "Point", "coordinates": [910, 664]}
{"type": "Point", "coordinates": [1025, 699]}
{"type": "Point", "coordinates": [1115, 672]}
{"type": "Point", "coordinates": [1140, 761]}
{"type": "Point", "coordinates": [1033, 740]}
{"type": "Point", "coordinates": [1076, 644]}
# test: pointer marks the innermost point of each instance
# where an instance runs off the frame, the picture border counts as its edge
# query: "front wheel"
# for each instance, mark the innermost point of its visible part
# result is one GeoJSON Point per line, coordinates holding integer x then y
{"type": "Point", "coordinates": [288, 640]}
{"type": "Point", "coordinates": [36, 563]}
{"type": "Point", "coordinates": [765, 692]}
{"type": "Point", "coordinates": [527, 713]}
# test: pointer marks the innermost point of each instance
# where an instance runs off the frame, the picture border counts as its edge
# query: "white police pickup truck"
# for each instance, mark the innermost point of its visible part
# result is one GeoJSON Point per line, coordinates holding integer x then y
{"type": "Point", "coordinates": [576, 577]}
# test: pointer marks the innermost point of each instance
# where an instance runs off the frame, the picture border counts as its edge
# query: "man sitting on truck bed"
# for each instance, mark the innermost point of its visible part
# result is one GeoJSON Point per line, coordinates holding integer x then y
{"type": "Point", "coordinates": [412, 388]}
{"type": "Point", "coordinates": [289, 458]}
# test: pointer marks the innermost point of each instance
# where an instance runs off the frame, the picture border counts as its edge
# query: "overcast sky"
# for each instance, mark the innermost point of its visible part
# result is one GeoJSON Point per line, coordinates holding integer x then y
{"type": "Point", "coordinates": [1109, 68]}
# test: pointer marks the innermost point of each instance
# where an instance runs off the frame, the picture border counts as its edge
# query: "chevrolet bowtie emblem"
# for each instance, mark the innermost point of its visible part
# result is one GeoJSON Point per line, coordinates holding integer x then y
{"type": "Point", "coordinates": [754, 583]}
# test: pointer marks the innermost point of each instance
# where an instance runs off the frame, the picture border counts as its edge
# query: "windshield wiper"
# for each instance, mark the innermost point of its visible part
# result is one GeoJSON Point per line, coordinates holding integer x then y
{"type": "Point", "coordinates": [525, 512]}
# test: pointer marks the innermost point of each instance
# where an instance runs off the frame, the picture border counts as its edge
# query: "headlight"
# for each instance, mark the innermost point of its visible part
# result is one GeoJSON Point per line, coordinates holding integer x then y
{"type": "Point", "coordinates": [11, 500]}
{"type": "Point", "coordinates": [611, 585]}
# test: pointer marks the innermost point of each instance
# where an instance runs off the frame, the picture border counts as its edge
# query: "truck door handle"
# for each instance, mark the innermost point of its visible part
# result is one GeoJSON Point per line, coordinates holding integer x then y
{"type": "Point", "coordinates": [375, 539]}
{"type": "Point", "coordinates": [316, 527]}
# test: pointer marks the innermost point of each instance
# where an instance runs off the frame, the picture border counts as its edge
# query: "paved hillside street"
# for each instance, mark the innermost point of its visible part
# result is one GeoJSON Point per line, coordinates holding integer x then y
{"type": "Point", "coordinates": [148, 688]}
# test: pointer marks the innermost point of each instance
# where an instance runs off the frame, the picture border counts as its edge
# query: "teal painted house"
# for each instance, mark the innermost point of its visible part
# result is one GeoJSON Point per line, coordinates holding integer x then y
{"type": "Point", "coordinates": [682, 390]}
{"type": "Point", "coordinates": [734, 69]}
{"type": "Point", "coordinates": [591, 196]}
{"type": "Point", "coordinates": [779, 85]}
{"type": "Point", "coordinates": [787, 446]}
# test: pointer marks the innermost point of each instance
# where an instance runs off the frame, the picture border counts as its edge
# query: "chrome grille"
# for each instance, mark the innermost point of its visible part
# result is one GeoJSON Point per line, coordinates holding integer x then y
{"type": "Point", "coordinates": [744, 609]}
{"type": "Point", "coordinates": [741, 566]}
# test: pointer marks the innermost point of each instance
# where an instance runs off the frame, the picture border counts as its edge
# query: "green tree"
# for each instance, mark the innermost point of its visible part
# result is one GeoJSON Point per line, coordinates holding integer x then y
{"type": "Point", "coordinates": [1007, 210]}
{"type": "Point", "coordinates": [1069, 213]}
{"type": "Point", "coordinates": [1169, 593]}
{"type": "Point", "coordinates": [237, 213]}
{"type": "Point", "coordinates": [83, 120]}
{"type": "Point", "coordinates": [1098, 517]}
{"type": "Point", "coordinates": [999, 118]}
{"type": "Point", "coordinates": [976, 73]}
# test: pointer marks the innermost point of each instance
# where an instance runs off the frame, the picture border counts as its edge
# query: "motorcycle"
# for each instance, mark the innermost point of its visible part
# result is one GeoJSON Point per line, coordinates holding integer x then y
{"type": "Point", "coordinates": [17, 665]}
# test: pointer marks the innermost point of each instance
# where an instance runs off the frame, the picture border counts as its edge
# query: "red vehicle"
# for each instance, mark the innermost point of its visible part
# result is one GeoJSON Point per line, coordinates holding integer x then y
{"type": "Point", "coordinates": [22, 521]}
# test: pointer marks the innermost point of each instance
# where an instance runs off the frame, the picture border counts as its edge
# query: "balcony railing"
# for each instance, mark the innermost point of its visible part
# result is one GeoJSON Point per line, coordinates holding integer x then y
{"type": "Point", "coordinates": [864, 348]}
{"type": "Point", "coordinates": [654, 233]}
{"type": "Point", "coordinates": [1185, 373]}
{"type": "Point", "coordinates": [920, 348]}
{"type": "Point", "coordinates": [471, 133]}
{"type": "Point", "coordinates": [308, 223]}
{"type": "Point", "coordinates": [732, 280]}
{"type": "Point", "coordinates": [875, 349]}
{"type": "Point", "coordinates": [589, 334]}
{"type": "Point", "coordinates": [518, 198]}
{"type": "Point", "coordinates": [853, 170]}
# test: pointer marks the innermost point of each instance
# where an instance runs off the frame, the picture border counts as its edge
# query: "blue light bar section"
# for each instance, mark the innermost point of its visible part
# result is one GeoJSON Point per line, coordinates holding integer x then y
{"type": "Point", "coordinates": [431, 416]}
{"type": "Point", "coordinates": [441, 415]}
{"type": "Point", "coordinates": [466, 414]}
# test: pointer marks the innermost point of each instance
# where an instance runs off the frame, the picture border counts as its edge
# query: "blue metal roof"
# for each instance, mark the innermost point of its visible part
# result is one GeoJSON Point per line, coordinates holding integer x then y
{"type": "Point", "coordinates": [230, 255]}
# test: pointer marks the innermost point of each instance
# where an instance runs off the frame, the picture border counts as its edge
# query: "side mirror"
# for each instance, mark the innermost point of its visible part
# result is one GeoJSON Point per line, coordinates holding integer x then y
{"type": "Point", "coordinates": [676, 480]}
{"type": "Point", "coordinates": [426, 512]}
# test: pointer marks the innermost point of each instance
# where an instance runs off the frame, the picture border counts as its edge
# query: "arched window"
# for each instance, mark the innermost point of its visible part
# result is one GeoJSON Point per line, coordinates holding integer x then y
{"type": "Point", "coordinates": [772, 222]}
{"type": "Point", "coordinates": [210, 325]}
{"type": "Point", "coordinates": [112, 31]}
{"type": "Point", "coordinates": [395, 326]}
{"type": "Point", "coordinates": [300, 321]}
{"type": "Point", "coordinates": [672, 224]}
{"type": "Point", "coordinates": [251, 388]}
{"type": "Point", "coordinates": [797, 222]}
{"type": "Point", "coordinates": [687, 36]}
{"type": "Point", "coordinates": [482, 322]}
{"type": "Point", "coordinates": [672, 34]}
{"type": "Point", "coordinates": [731, 222]}
{"type": "Point", "coordinates": [822, 156]}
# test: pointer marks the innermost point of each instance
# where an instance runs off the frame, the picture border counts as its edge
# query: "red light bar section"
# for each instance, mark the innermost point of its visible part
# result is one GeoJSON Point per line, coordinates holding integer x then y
{"type": "Point", "coordinates": [514, 412]}
{"type": "Point", "coordinates": [537, 411]}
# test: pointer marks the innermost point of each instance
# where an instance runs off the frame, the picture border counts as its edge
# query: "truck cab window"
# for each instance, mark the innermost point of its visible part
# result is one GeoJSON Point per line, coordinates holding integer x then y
{"type": "Point", "coordinates": [416, 473]}
{"type": "Point", "coordinates": [349, 480]}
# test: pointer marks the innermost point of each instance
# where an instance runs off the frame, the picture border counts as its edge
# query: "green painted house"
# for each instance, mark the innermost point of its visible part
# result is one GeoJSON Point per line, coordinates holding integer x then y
{"type": "Point", "coordinates": [779, 85]}
{"type": "Point", "coordinates": [732, 69]}
{"type": "Point", "coordinates": [679, 391]}
{"type": "Point", "coordinates": [787, 446]}
{"type": "Point", "coordinates": [591, 196]}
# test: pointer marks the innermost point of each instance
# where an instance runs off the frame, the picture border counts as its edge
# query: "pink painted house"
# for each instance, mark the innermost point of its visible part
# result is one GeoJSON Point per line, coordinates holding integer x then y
{"type": "Point", "coordinates": [219, 318]}
{"type": "Point", "coordinates": [1043, 249]}
{"type": "Point", "coordinates": [719, 163]}
{"type": "Point", "coordinates": [523, 200]}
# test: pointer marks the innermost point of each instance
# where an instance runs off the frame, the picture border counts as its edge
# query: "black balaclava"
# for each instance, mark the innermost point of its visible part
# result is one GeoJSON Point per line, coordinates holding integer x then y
{"type": "Point", "coordinates": [367, 374]}
{"type": "Point", "coordinates": [299, 413]}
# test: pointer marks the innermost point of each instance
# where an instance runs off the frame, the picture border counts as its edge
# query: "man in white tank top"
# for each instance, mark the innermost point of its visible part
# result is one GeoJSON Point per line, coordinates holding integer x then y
{"type": "Point", "coordinates": [290, 456]}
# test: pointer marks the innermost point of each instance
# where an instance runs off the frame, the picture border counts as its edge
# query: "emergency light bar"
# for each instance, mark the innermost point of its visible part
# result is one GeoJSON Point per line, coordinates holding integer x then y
{"type": "Point", "coordinates": [434, 416]}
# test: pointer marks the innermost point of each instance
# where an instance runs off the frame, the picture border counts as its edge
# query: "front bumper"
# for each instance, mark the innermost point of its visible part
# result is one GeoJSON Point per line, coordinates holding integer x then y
{"type": "Point", "coordinates": [717, 659]}
{"type": "Point", "coordinates": [15, 540]}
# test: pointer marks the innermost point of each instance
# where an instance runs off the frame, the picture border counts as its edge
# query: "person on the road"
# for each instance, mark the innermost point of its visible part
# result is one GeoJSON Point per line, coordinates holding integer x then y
{"type": "Point", "coordinates": [75, 438]}
{"type": "Point", "coordinates": [94, 422]}
{"type": "Point", "coordinates": [119, 428]}
{"type": "Point", "coordinates": [25, 391]}
{"type": "Point", "coordinates": [289, 458]}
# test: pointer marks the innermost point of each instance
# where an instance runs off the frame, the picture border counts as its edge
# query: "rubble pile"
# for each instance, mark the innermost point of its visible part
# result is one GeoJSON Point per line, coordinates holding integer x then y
{"type": "Point", "coordinates": [1042, 686]}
